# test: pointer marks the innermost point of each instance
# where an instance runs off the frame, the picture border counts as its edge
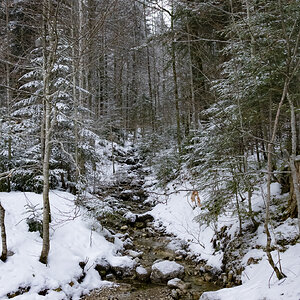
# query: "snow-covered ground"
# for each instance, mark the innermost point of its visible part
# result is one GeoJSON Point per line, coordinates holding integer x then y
{"type": "Point", "coordinates": [74, 239]}
{"type": "Point", "coordinates": [177, 214]}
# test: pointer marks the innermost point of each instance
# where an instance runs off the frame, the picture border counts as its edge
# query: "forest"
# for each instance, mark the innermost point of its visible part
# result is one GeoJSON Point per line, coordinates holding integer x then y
{"type": "Point", "coordinates": [190, 106]}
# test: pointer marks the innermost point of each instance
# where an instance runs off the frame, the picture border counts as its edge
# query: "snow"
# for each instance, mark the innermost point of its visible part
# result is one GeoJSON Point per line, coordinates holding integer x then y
{"type": "Point", "coordinates": [141, 271]}
{"type": "Point", "coordinates": [167, 267]}
{"type": "Point", "coordinates": [72, 241]}
{"type": "Point", "coordinates": [177, 216]}
{"type": "Point", "coordinates": [130, 216]}
{"type": "Point", "coordinates": [259, 282]}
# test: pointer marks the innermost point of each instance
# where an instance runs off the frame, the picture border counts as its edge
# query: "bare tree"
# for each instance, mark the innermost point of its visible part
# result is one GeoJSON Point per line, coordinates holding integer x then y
{"type": "Point", "coordinates": [50, 42]}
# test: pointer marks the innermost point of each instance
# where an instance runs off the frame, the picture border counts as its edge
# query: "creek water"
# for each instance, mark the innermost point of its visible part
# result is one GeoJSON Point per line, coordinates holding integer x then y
{"type": "Point", "coordinates": [154, 245]}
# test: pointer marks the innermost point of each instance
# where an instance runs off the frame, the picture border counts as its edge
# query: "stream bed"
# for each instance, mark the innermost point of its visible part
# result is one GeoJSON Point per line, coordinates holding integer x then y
{"type": "Point", "coordinates": [126, 194]}
{"type": "Point", "coordinates": [153, 245]}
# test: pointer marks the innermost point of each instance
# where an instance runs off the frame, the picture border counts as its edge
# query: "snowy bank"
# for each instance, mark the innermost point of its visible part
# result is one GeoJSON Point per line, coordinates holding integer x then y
{"type": "Point", "coordinates": [177, 215]}
{"type": "Point", "coordinates": [260, 282]}
{"type": "Point", "coordinates": [75, 247]}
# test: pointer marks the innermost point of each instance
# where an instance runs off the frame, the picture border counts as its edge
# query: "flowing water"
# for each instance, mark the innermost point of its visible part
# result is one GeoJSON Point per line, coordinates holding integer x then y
{"type": "Point", "coordinates": [154, 245]}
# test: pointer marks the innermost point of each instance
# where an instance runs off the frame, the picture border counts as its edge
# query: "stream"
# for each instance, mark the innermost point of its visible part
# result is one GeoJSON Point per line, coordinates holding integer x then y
{"type": "Point", "coordinates": [126, 193]}
{"type": "Point", "coordinates": [153, 244]}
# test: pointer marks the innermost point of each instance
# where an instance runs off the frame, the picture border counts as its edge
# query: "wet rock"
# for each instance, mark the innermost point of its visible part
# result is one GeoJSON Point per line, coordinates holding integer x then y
{"type": "Point", "coordinates": [130, 217]}
{"type": "Point", "coordinates": [102, 266]}
{"type": "Point", "coordinates": [128, 243]}
{"type": "Point", "coordinates": [140, 225]}
{"type": "Point", "coordinates": [208, 277]}
{"type": "Point", "coordinates": [110, 276]}
{"type": "Point", "coordinates": [142, 274]}
{"type": "Point", "coordinates": [179, 257]}
{"type": "Point", "coordinates": [230, 276]}
{"type": "Point", "coordinates": [131, 161]}
{"type": "Point", "coordinates": [165, 270]}
{"type": "Point", "coordinates": [124, 270]}
{"type": "Point", "coordinates": [134, 254]}
{"type": "Point", "coordinates": [177, 283]}
{"type": "Point", "coordinates": [146, 217]}
{"type": "Point", "coordinates": [175, 294]}
{"type": "Point", "coordinates": [150, 232]}
{"type": "Point", "coordinates": [126, 195]}
{"type": "Point", "coordinates": [110, 239]}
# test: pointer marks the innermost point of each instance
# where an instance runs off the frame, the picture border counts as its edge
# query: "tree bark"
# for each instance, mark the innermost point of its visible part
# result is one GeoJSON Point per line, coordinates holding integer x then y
{"type": "Point", "coordinates": [176, 93]}
{"type": "Point", "coordinates": [278, 272]}
{"type": "Point", "coordinates": [49, 58]}
{"type": "Point", "coordinates": [8, 94]}
{"type": "Point", "coordinates": [46, 203]}
{"type": "Point", "coordinates": [3, 234]}
{"type": "Point", "coordinates": [293, 160]}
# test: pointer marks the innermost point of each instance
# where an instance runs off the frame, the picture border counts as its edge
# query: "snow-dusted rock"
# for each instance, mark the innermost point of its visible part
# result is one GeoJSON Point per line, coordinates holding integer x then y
{"type": "Point", "coordinates": [146, 217]}
{"type": "Point", "coordinates": [177, 283]}
{"type": "Point", "coordinates": [102, 264]}
{"type": "Point", "coordinates": [209, 296]}
{"type": "Point", "coordinates": [130, 217]}
{"type": "Point", "coordinates": [165, 270]}
{"type": "Point", "coordinates": [123, 266]}
{"type": "Point", "coordinates": [134, 254]}
{"type": "Point", "coordinates": [128, 243]}
{"type": "Point", "coordinates": [142, 274]}
{"type": "Point", "coordinates": [126, 195]}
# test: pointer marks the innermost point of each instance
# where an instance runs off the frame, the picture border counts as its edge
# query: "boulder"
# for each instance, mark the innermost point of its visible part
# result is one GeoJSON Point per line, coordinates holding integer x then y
{"type": "Point", "coordinates": [177, 283]}
{"type": "Point", "coordinates": [130, 217]}
{"type": "Point", "coordinates": [165, 270]}
{"type": "Point", "coordinates": [146, 217]}
{"type": "Point", "coordinates": [128, 244]}
{"type": "Point", "coordinates": [134, 254]}
{"type": "Point", "coordinates": [140, 225]}
{"type": "Point", "coordinates": [126, 195]}
{"type": "Point", "coordinates": [102, 267]}
{"type": "Point", "coordinates": [123, 267]}
{"type": "Point", "coordinates": [123, 228]}
{"type": "Point", "coordinates": [142, 274]}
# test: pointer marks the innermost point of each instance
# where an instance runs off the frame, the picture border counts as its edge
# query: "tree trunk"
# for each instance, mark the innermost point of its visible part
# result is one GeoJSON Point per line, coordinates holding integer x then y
{"type": "Point", "coordinates": [49, 58]}
{"type": "Point", "coordinates": [293, 161]}
{"type": "Point", "coordinates": [176, 93]}
{"type": "Point", "coordinates": [194, 113]}
{"type": "Point", "coordinates": [8, 95]}
{"type": "Point", "coordinates": [46, 203]}
{"type": "Point", "coordinates": [3, 234]}
{"type": "Point", "coordinates": [278, 272]}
